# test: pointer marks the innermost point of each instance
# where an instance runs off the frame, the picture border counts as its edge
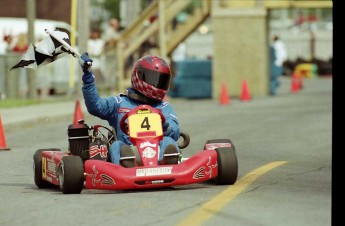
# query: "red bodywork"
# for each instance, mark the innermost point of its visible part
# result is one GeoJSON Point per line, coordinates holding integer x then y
{"type": "Point", "coordinates": [108, 176]}
{"type": "Point", "coordinates": [50, 163]}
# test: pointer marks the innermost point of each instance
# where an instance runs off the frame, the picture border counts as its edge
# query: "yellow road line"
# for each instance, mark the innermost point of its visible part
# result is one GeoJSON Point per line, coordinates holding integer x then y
{"type": "Point", "coordinates": [207, 210]}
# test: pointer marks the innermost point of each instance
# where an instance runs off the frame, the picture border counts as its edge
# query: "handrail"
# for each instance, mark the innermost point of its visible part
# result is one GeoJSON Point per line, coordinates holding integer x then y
{"type": "Point", "coordinates": [271, 4]}
{"type": "Point", "coordinates": [276, 4]}
{"type": "Point", "coordinates": [137, 24]}
{"type": "Point", "coordinates": [139, 31]}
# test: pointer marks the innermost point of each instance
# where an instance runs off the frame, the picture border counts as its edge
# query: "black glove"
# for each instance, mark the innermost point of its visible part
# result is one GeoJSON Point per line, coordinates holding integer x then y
{"type": "Point", "coordinates": [86, 63]}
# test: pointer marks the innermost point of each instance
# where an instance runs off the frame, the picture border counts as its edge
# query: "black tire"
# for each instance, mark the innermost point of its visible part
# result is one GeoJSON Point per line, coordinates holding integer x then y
{"type": "Point", "coordinates": [227, 166]}
{"type": "Point", "coordinates": [71, 174]}
{"type": "Point", "coordinates": [227, 163]}
{"type": "Point", "coordinates": [37, 167]}
{"type": "Point", "coordinates": [138, 159]}
{"type": "Point", "coordinates": [186, 140]}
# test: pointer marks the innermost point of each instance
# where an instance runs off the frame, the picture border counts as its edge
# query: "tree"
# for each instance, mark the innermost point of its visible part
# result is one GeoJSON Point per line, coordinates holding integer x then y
{"type": "Point", "coordinates": [113, 7]}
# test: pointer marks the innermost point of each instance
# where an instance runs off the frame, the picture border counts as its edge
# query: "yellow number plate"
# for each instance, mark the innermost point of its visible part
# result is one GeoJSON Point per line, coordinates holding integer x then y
{"type": "Point", "coordinates": [145, 125]}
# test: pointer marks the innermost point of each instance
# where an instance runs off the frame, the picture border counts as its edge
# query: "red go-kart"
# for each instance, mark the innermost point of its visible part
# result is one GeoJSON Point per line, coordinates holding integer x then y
{"type": "Point", "coordinates": [87, 164]}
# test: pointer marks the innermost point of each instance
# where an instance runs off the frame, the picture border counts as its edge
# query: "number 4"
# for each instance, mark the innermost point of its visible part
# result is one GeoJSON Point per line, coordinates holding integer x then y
{"type": "Point", "coordinates": [145, 123]}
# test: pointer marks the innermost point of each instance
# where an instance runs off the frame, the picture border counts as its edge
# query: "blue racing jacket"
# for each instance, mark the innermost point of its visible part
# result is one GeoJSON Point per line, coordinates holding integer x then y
{"type": "Point", "coordinates": [113, 108]}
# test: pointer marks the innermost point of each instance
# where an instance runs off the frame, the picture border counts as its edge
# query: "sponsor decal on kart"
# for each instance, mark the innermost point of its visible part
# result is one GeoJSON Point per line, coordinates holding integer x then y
{"type": "Point", "coordinates": [107, 180]}
{"type": "Point", "coordinates": [47, 171]}
{"type": "Point", "coordinates": [144, 111]}
{"type": "Point", "coordinates": [200, 173]}
{"type": "Point", "coordinates": [44, 166]}
{"type": "Point", "coordinates": [98, 150]}
{"type": "Point", "coordinates": [104, 179]}
{"type": "Point", "coordinates": [51, 166]}
{"type": "Point", "coordinates": [154, 171]}
{"type": "Point", "coordinates": [217, 145]}
{"type": "Point", "coordinates": [149, 153]}
{"type": "Point", "coordinates": [157, 182]}
{"type": "Point", "coordinates": [210, 167]}
{"type": "Point", "coordinates": [93, 176]}
{"type": "Point", "coordinates": [146, 134]}
{"type": "Point", "coordinates": [147, 144]}
{"type": "Point", "coordinates": [124, 110]}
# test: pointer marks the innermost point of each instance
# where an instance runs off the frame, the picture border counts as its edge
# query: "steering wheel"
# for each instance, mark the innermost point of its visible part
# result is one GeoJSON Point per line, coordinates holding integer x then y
{"type": "Point", "coordinates": [111, 134]}
{"type": "Point", "coordinates": [123, 123]}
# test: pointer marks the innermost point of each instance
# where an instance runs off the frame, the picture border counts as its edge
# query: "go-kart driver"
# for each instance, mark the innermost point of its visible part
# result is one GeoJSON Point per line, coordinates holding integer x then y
{"type": "Point", "coordinates": [150, 80]}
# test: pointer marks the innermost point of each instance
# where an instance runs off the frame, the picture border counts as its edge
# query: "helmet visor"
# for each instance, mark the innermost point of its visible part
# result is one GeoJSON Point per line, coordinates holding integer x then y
{"type": "Point", "coordinates": [155, 78]}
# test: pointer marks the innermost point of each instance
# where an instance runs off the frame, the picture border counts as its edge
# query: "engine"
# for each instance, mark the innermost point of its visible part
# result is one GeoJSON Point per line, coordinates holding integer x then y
{"type": "Point", "coordinates": [89, 142]}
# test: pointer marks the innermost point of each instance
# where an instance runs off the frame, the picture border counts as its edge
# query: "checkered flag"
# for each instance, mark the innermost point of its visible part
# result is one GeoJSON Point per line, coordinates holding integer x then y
{"type": "Point", "coordinates": [51, 48]}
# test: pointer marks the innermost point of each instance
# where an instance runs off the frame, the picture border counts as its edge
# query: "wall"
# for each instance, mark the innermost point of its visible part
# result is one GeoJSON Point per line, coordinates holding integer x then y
{"type": "Point", "coordinates": [240, 50]}
{"type": "Point", "coordinates": [45, 9]}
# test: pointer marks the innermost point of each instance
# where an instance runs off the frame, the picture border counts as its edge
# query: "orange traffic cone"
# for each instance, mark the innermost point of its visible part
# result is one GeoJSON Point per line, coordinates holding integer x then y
{"type": "Point", "coordinates": [224, 98]}
{"type": "Point", "coordinates": [245, 94]}
{"type": "Point", "coordinates": [300, 82]}
{"type": "Point", "coordinates": [78, 114]}
{"type": "Point", "coordinates": [295, 86]}
{"type": "Point", "coordinates": [3, 145]}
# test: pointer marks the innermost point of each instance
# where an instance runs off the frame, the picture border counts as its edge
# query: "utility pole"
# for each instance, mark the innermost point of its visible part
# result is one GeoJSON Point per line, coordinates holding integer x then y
{"type": "Point", "coordinates": [31, 74]}
{"type": "Point", "coordinates": [83, 24]}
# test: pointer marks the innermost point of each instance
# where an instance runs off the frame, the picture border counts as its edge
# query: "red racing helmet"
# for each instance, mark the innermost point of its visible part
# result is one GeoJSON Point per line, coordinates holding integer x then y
{"type": "Point", "coordinates": [151, 76]}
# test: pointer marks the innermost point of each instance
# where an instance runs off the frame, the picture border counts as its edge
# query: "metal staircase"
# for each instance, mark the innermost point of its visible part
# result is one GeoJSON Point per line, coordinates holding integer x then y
{"type": "Point", "coordinates": [167, 35]}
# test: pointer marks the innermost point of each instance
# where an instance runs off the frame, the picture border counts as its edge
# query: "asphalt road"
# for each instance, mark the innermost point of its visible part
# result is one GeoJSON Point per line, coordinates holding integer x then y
{"type": "Point", "coordinates": [284, 151]}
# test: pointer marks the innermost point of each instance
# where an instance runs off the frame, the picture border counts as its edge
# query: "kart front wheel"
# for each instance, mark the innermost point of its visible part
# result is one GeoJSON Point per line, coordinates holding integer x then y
{"type": "Point", "coordinates": [71, 174]}
{"type": "Point", "coordinates": [227, 166]}
{"type": "Point", "coordinates": [37, 166]}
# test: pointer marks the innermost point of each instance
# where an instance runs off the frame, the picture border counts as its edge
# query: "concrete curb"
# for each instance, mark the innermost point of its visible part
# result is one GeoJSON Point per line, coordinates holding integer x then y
{"type": "Point", "coordinates": [29, 114]}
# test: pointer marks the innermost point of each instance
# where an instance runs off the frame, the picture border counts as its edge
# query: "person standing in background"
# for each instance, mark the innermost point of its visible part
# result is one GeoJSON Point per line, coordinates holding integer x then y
{"type": "Point", "coordinates": [280, 52]}
{"type": "Point", "coordinates": [95, 46]}
{"type": "Point", "coordinates": [6, 44]}
{"type": "Point", "coordinates": [278, 56]}
{"type": "Point", "coordinates": [112, 32]}
{"type": "Point", "coordinates": [20, 47]}
{"type": "Point", "coordinates": [110, 36]}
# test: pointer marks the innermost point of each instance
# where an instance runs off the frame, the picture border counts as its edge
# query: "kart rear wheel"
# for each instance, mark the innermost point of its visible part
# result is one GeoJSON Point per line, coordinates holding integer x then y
{"type": "Point", "coordinates": [37, 166]}
{"type": "Point", "coordinates": [71, 174]}
{"type": "Point", "coordinates": [227, 166]}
